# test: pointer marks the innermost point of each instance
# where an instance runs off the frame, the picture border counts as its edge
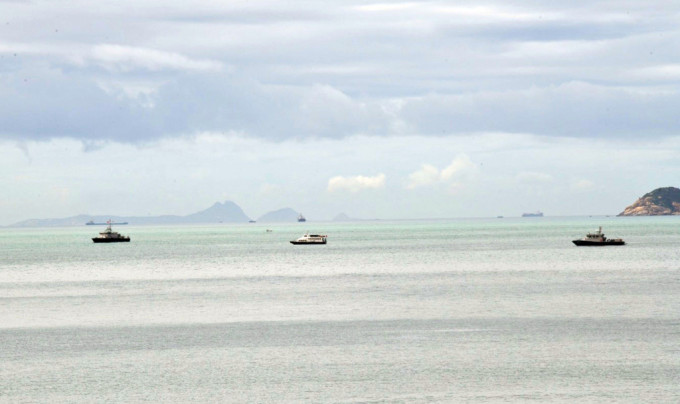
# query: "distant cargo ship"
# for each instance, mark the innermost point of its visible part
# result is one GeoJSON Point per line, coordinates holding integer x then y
{"type": "Point", "coordinates": [301, 218]}
{"type": "Point", "coordinates": [92, 223]}
{"type": "Point", "coordinates": [535, 214]}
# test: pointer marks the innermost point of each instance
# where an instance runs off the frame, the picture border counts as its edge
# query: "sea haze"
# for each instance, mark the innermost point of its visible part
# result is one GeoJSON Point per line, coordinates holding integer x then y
{"type": "Point", "coordinates": [219, 212]}
{"type": "Point", "coordinates": [485, 310]}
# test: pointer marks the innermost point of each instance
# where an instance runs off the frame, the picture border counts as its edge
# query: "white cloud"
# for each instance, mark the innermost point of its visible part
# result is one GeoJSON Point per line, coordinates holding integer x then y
{"type": "Point", "coordinates": [355, 184]}
{"type": "Point", "coordinates": [659, 72]}
{"type": "Point", "coordinates": [381, 7]}
{"type": "Point", "coordinates": [128, 58]}
{"type": "Point", "coordinates": [427, 175]}
{"type": "Point", "coordinates": [529, 177]}
{"type": "Point", "coordinates": [582, 185]}
{"type": "Point", "coordinates": [459, 168]}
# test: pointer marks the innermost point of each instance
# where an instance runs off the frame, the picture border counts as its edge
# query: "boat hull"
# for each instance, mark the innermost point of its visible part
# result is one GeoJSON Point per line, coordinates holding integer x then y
{"type": "Point", "coordinates": [307, 242]}
{"type": "Point", "coordinates": [586, 243]}
{"type": "Point", "coordinates": [111, 240]}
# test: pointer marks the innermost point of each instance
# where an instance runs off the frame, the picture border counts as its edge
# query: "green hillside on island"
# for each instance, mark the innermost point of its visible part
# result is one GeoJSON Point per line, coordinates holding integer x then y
{"type": "Point", "coordinates": [661, 201]}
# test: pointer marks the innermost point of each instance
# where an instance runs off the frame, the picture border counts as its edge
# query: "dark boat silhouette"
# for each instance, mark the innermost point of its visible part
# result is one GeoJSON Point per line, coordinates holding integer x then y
{"type": "Point", "coordinates": [110, 236]}
{"type": "Point", "coordinates": [534, 214]}
{"type": "Point", "coordinates": [597, 239]}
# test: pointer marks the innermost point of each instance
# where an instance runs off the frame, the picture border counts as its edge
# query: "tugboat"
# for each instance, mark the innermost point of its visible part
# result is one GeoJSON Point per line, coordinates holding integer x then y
{"type": "Point", "coordinates": [310, 239]}
{"type": "Point", "coordinates": [110, 236]}
{"type": "Point", "coordinates": [598, 239]}
{"type": "Point", "coordinates": [301, 218]}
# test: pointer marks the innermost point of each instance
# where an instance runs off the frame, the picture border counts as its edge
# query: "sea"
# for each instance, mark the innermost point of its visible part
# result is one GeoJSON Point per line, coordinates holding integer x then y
{"type": "Point", "coordinates": [498, 310]}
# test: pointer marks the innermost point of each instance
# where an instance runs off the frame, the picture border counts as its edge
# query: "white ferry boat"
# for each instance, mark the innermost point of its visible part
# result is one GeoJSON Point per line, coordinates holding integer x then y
{"type": "Point", "coordinates": [310, 239]}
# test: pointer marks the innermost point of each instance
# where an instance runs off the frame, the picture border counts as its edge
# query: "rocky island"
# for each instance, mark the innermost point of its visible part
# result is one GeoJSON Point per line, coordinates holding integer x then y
{"type": "Point", "coordinates": [661, 201]}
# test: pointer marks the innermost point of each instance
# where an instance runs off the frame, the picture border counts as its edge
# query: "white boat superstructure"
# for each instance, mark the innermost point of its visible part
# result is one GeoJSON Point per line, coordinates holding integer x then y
{"type": "Point", "coordinates": [596, 236]}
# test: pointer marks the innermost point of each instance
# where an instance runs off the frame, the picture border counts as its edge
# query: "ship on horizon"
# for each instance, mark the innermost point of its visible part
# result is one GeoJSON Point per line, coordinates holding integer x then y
{"type": "Point", "coordinates": [301, 218]}
{"type": "Point", "coordinates": [538, 213]}
{"type": "Point", "coordinates": [93, 223]}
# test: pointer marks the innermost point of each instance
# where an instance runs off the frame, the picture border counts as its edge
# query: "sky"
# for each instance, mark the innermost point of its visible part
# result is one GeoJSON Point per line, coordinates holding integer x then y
{"type": "Point", "coordinates": [390, 110]}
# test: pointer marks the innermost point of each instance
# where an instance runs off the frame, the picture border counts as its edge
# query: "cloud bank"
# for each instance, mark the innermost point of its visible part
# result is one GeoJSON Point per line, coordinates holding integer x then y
{"type": "Point", "coordinates": [338, 69]}
{"type": "Point", "coordinates": [355, 184]}
{"type": "Point", "coordinates": [127, 58]}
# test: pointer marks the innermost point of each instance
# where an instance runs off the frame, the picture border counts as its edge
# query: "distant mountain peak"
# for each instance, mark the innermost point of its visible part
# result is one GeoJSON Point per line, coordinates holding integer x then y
{"type": "Point", "coordinates": [661, 201]}
{"type": "Point", "coordinates": [281, 215]}
{"type": "Point", "coordinates": [227, 211]}
{"type": "Point", "coordinates": [342, 217]}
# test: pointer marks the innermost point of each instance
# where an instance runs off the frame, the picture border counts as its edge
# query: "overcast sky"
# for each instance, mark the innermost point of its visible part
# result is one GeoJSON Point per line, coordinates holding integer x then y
{"type": "Point", "coordinates": [375, 109]}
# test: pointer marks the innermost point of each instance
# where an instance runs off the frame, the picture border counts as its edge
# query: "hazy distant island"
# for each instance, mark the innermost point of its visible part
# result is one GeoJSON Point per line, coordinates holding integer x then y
{"type": "Point", "coordinates": [281, 215]}
{"type": "Point", "coordinates": [342, 217]}
{"type": "Point", "coordinates": [661, 201]}
{"type": "Point", "coordinates": [220, 212]}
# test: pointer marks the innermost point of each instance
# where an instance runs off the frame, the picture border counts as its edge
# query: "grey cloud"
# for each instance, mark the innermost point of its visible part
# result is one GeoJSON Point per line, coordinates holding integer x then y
{"type": "Point", "coordinates": [549, 31]}
{"type": "Point", "coordinates": [574, 109]}
{"type": "Point", "coordinates": [47, 104]}
{"type": "Point", "coordinates": [57, 105]}
{"type": "Point", "coordinates": [277, 71]}
{"type": "Point", "coordinates": [244, 16]}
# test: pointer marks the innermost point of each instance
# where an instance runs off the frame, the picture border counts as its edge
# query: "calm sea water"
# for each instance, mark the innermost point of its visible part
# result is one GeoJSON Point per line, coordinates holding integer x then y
{"type": "Point", "coordinates": [494, 310]}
